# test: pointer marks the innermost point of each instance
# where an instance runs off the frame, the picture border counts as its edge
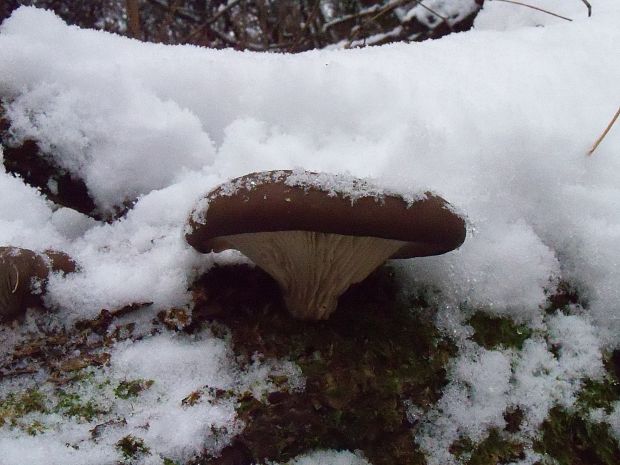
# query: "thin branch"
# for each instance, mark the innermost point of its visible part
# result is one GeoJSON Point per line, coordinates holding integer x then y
{"type": "Point", "coordinates": [388, 8]}
{"type": "Point", "coordinates": [302, 31]}
{"type": "Point", "coordinates": [534, 8]}
{"type": "Point", "coordinates": [133, 19]}
{"type": "Point", "coordinates": [223, 36]}
{"type": "Point", "coordinates": [588, 6]}
{"type": "Point", "coordinates": [182, 13]}
{"type": "Point", "coordinates": [384, 10]}
{"type": "Point", "coordinates": [222, 12]}
{"type": "Point", "coordinates": [443, 18]}
{"type": "Point", "coordinates": [206, 24]}
{"type": "Point", "coordinates": [248, 46]}
{"type": "Point", "coordinates": [168, 20]}
{"type": "Point", "coordinates": [360, 14]}
{"type": "Point", "coordinates": [600, 139]}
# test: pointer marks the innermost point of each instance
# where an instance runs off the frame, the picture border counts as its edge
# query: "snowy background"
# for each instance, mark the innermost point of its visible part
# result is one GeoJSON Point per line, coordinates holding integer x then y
{"type": "Point", "coordinates": [497, 120]}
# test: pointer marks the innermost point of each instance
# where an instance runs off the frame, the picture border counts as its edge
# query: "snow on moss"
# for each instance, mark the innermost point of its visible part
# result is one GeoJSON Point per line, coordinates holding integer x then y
{"type": "Point", "coordinates": [612, 419]}
{"type": "Point", "coordinates": [328, 457]}
{"type": "Point", "coordinates": [472, 403]}
{"type": "Point", "coordinates": [486, 383]}
{"type": "Point", "coordinates": [175, 394]}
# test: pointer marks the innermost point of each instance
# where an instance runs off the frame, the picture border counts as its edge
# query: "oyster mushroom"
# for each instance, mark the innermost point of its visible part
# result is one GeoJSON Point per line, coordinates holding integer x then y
{"type": "Point", "coordinates": [317, 234]}
{"type": "Point", "coordinates": [23, 277]}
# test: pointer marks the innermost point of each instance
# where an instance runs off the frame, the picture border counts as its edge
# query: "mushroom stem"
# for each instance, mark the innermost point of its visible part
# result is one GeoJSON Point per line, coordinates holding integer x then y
{"type": "Point", "coordinates": [313, 269]}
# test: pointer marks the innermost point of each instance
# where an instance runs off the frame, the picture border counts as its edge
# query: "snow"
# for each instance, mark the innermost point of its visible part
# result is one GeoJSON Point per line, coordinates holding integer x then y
{"type": "Point", "coordinates": [612, 419]}
{"type": "Point", "coordinates": [309, 113]}
{"type": "Point", "coordinates": [432, 12]}
{"type": "Point", "coordinates": [477, 274]}
{"type": "Point", "coordinates": [497, 121]}
{"type": "Point", "coordinates": [468, 407]}
{"type": "Point", "coordinates": [502, 16]}
{"type": "Point", "coordinates": [175, 367]}
{"type": "Point", "coordinates": [343, 185]}
{"type": "Point", "coordinates": [485, 383]}
{"type": "Point", "coordinates": [542, 380]}
{"type": "Point", "coordinates": [329, 457]}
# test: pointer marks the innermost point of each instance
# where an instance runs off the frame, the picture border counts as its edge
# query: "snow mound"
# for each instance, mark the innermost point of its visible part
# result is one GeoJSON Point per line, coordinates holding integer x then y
{"type": "Point", "coordinates": [167, 124]}
{"type": "Point", "coordinates": [497, 121]}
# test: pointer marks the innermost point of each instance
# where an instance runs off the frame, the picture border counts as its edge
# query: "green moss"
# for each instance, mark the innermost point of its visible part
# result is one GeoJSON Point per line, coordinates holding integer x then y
{"type": "Point", "coordinates": [373, 354]}
{"type": "Point", "coordinates": [571, 440]}
{"type": "Point", "coordinates": [564, 295]}
{"type": "Point", "coordinates": [247, 402]}
{"type": "Point", "coordinates": [462, 448]}
{"type": "Point", "coordinates": [133, 388]}
{"type": "Point", "coordinates": [34, 428]}
{"type": "Point", "coordinates": [496, 449]}
{"type": "Point", "coordinates": [72, 405]}
{"type": "Point", "coordinates": [85, 375]}
{"type": "Point", "coordinates": [15, 406]}
{"type": "Point", "coordinates": [494, 332]}
{"type": "Point", "coordinates": [131, 447]}
{"type": "Point", "coordinates": [599, 394]}
{"type": "Point", "coordinates": [31, 401]}
{"type": "Point", "coordinates": [103, 384]}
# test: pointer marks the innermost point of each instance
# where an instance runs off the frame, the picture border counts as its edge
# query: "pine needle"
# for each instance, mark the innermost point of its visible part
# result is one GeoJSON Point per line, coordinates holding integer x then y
{"type": "Point", "coordinates": [588, 6]}
{"type": "Point", "coordinates": [602, 136]}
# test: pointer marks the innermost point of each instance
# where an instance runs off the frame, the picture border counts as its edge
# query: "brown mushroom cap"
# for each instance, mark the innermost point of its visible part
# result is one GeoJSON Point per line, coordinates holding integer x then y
{"type": "Point", "coordinates": [265, 202]}
{"type": "Point", "coordinates": [316, 239]}
{"type": "Point", "coordinates": [23, 276]}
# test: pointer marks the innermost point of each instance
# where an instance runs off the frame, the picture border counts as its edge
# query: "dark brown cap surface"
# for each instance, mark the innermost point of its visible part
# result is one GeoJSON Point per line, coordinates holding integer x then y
{"type": "Point", "coordinates": [23, 275]}
{"type": "Point", "coordinates": [271, 201]}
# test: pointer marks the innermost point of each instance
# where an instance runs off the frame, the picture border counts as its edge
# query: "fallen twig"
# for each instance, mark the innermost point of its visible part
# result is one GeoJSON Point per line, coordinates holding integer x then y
{"type": "Point", "coordinates": [536, 8]}
{"type": "Point", "coordinates": [382, 11]}
{"type": "Point", "coordinates": [300, 35]}
{"type": "Point", "coordinates": [588, 6]}
{"type": "Point", "coordinates": [387, 9]}
{"type": "Point", "coordinates": [20, 372]}
{"type": "Point", "coordinates": [602, 136]}
{"type": "Point", "coordinates": [430, 10]}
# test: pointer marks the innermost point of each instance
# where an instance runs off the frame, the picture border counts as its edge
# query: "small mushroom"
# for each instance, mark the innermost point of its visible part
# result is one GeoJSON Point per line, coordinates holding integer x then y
{"type": "Point", "coordinates": [23, 277]}
{"type": "Point", "coordinates": [316, 234]}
